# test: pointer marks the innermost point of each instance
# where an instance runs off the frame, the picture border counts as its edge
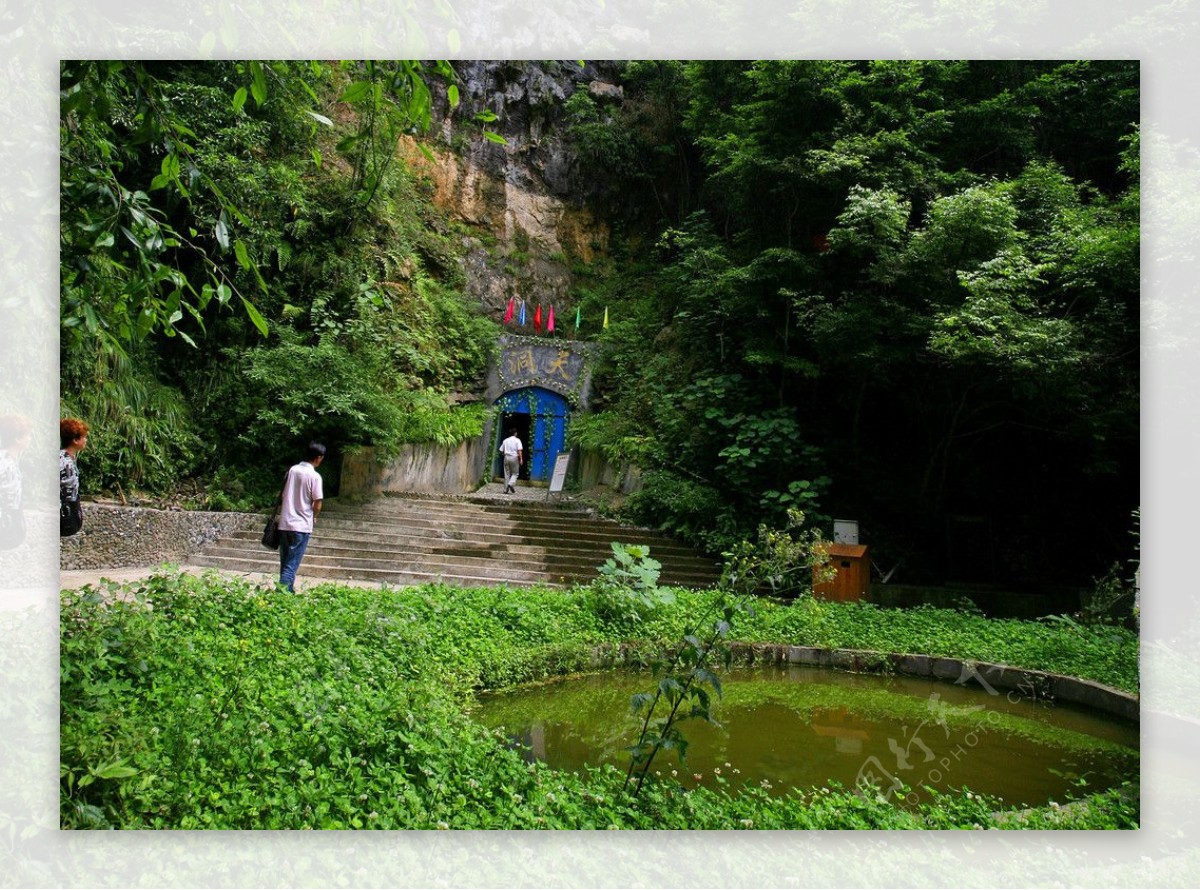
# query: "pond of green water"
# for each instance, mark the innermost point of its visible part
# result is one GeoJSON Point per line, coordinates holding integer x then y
{"type": "Point", "coordinates": [792, 727]}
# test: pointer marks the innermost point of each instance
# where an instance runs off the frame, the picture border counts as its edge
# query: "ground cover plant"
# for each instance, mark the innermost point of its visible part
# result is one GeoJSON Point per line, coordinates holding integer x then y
{"type": "Point", "coordinates": [213, 703]}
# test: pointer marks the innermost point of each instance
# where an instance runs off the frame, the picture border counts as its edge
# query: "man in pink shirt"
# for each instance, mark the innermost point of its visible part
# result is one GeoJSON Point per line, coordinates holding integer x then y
{"type": "Point", "coordinates": [299, 506]}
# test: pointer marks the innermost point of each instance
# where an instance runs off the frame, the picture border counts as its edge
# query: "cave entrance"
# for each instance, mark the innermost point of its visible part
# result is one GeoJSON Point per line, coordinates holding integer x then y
{"type": "Point", "coordinates": [540, 418]}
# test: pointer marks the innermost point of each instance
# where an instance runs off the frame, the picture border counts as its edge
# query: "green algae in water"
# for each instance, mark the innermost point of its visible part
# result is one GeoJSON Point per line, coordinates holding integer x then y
{"type": "Point", "coordinates": [792, 727]}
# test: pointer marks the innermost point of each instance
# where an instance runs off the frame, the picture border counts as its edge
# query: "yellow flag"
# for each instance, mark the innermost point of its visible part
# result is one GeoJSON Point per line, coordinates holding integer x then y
{"type": "Point", "coordinates": [606, 318]}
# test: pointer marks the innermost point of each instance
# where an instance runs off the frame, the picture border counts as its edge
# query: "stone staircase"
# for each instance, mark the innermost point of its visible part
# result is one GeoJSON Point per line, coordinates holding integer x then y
{"type": "Point", "coordinates": [468, 541]}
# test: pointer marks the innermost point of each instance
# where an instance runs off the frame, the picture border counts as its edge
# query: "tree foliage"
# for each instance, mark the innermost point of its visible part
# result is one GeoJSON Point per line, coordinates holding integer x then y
{"type": "Point", "coordinates": [240, 239]}
{"type": "Point", "coordinates": [922, 280]}
{"type": "Point", "coordinates": [902, 291]}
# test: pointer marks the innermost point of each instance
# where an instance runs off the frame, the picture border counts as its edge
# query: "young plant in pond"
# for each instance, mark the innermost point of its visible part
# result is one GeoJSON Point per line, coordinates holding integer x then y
{"type": "Point", "coordinates": [627, 592]}
{"type": "Point", "coordinates": [683, 690]}
{"type": "Point", "coordinates": [781, 560]}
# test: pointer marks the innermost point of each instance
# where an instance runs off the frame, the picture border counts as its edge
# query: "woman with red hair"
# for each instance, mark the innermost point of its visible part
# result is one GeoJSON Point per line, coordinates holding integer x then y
{"type": "Point", "coordinates": [72, 435]}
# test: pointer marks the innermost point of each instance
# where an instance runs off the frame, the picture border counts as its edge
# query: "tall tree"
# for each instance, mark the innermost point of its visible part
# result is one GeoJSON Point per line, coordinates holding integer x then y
{"type": "Point", "coordinates": [192, 188]}
{"type": "Point", "coordinates": [931, 283]}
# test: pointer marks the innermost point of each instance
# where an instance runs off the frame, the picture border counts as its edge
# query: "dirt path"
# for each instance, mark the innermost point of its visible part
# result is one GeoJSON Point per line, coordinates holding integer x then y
{"type": "Point", "coordinates": [74, 580]}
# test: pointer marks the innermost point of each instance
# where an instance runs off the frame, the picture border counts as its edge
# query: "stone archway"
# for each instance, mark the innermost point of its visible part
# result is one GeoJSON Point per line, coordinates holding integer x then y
{"type": "Point", "coordinates": [540, 417]}
{"type": "Point", "coordinates": [536, 384]}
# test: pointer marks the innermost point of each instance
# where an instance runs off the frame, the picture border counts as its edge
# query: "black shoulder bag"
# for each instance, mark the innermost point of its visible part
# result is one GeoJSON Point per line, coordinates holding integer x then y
{"type": "Point", "coordinates": [270, 535]}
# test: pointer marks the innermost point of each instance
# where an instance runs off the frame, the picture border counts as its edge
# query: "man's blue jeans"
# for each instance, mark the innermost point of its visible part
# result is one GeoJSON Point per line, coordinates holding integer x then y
{"type": "Point", "coordinates": [291, 550]}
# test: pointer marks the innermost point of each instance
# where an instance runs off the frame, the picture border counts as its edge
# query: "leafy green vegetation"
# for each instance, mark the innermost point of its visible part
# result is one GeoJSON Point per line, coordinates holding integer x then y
{"type": "Point", "coordinates": [903, 291]}
{"type": "Point", "coordinates": [247, 264]}
{"type": "Point", "coordinates": [898, 290]}
{"type": "Point", "coordinates": [627, 589]}
{"type": "Point", "coordinates": [1103, 653]}
{"type": "Point", "coordinates": [211, 703]}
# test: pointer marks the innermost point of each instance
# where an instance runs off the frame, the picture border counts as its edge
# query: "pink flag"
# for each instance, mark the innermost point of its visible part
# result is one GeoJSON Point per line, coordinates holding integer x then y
{"type": "Point", "coordinates": [550, 321]}
{"type": "Point", "coordinates": [508, 313]}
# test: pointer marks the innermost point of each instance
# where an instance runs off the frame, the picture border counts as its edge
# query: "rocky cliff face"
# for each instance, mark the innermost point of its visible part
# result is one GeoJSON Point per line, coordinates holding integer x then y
{"type": "Point", "coordinates": [527, 199]}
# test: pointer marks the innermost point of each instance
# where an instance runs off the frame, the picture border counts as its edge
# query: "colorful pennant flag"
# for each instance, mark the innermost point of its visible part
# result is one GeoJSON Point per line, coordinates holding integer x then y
{"type": "Point", "coordinates": [577, 317]}
{"type": "Point", "coordinates": [550, 321]}
{"type": "Point", "coordinates": [537, 319]}
{"type": "Point", "coordinates": [605, 318]}
{"type": "Point", "coordinates": [522, 318]}
{"type": "Point", "coordinates": [508, 313]}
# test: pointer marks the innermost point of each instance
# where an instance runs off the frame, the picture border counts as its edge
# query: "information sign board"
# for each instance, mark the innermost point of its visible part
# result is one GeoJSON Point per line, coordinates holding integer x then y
{"type": "Point", "coordinates": [560, 470]}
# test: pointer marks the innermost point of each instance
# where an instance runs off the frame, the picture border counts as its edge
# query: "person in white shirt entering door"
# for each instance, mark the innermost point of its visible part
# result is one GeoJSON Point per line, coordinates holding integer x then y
{"type": "Point", "coordinates": [513, 453]}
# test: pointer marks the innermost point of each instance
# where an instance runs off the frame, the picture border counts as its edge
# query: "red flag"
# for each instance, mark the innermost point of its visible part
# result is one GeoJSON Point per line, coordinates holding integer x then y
{"type": "Point", "coordinates": [537, 318]}
{"type": "Point", "coordinates": [550, 321]}
{"type": "Point", "coordinates": [508, 313]}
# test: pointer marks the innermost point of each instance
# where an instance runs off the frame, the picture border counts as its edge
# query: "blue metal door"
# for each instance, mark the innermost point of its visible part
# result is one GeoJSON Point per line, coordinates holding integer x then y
{"type": "Point", "coordinates": [547, 424]}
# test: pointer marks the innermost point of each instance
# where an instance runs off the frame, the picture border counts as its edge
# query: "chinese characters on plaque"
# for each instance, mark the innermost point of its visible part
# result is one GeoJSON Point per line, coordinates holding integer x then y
{"type": "Point", "coordinates": [544, 365]}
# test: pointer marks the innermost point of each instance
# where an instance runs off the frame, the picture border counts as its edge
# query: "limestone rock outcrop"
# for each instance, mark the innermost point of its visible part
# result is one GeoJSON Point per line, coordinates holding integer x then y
{"type": "Point", "coordinates": [525, 203]}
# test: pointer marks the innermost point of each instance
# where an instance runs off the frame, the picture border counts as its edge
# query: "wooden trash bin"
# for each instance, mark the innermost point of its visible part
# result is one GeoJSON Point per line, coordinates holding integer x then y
{"type": "Point", "coordinates": [853, 579]}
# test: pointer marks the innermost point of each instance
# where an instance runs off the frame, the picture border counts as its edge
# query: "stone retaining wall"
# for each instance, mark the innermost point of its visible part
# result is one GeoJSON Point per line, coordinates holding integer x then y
{"type": "Point", "coordinates": [436, 469]}
{"type": "Point", "coordinates": [427, 469]}
{"type": "Point", "coordinates": [594, 469]}
{"type": "Point", "coordinates": [998, 678]}
{"type": "Point", "coordinates": [125, 537]}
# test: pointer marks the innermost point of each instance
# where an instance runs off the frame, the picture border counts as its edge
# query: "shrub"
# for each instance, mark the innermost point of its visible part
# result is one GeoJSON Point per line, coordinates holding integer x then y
{"type": "Point", "coordinates": [214, 703]}
{"type": "Point", "coordinates": [627, 591]}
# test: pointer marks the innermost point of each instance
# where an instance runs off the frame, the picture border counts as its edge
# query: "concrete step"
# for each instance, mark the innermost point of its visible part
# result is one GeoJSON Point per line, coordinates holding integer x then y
{"type": "Point", "coordinates": [474, 561]}
{"type": "Point", "coordinates": [518, 519]}
{"type": "Point", "coordinates": [402, 563]}
{"type": "Point", "coordinates": [413, 539]}
{"type": "Point", "coordinates": [466, 505]}
{"type": "Point", "coordinates": [491, 530]}
{"type": "Point", "coordinates": [357, 539]}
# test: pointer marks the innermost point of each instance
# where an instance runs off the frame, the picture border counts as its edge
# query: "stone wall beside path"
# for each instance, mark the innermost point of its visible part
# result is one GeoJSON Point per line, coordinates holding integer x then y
{"type": "Point", "coordinates": [118, 537]}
